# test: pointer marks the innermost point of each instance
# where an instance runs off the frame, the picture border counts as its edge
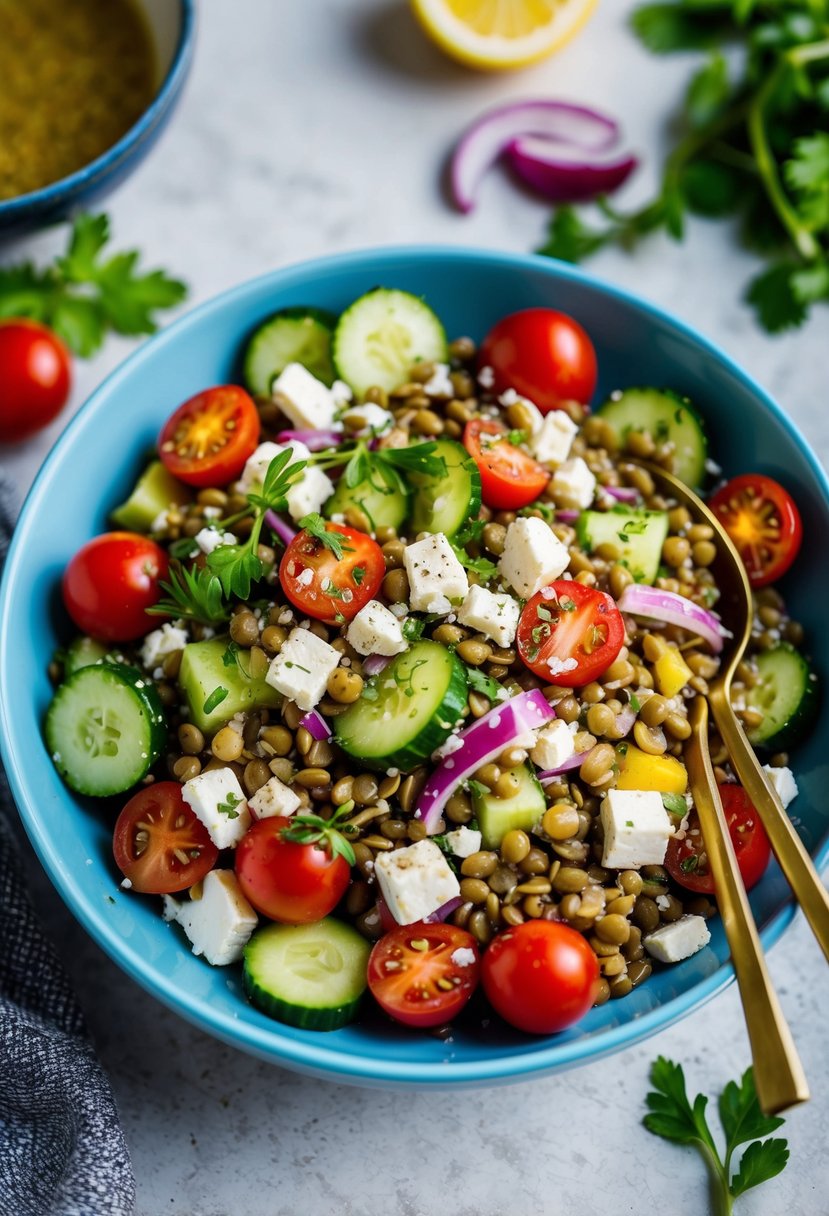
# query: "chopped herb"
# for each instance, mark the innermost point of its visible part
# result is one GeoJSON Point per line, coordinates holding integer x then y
{"type": "Point", "coordinates": [230, 658]}
{"type": "Point", "coordinates": [482, 566]}
{"type": "Point", "coordinates": [193, 594]}
{"type": "Point", "coordinates": [216, 697]}
{"type": "Point", "coordinates": [477, 788]}
{"type": "Point", "coordinates": [517, 437]}
{"type": "Point", "coordinates": [483, 684]}
{"type": "Point", "coordinates": [299, 667]}
{"type": "Point", "coordinates": [358, 574]}
{"type": "Point", "coordinates": [412, 628]}
{"type": "Point", "coordinates": [622, 749]}
{"type": "Point", "coordinates": [228, 807]}
{"type": "Point", "coordinates": [316, 526]}
{"type": "Point", "coordinates": [543, 613]}
{"type": "Point", "coordinates": [183, 548]}
{"type": "Point", "coordinates": [635, 703]}
{"type": "Point", "coordinates": [370, 692]}
{"type": "Point", "coordinates": [675, 804]}
{"type": "Point", "coordinates": [335, 592]}
{"type": "Point", "coordinates": [326, 834]}
{"type": "Point", "coordinates": [689, 864]}
{"type": "Point", "coordinates": [628, 823]}
{"type": "Point", "coordinates": [539, 632]}
{"type": "Point", "coordinates": [566, 604]}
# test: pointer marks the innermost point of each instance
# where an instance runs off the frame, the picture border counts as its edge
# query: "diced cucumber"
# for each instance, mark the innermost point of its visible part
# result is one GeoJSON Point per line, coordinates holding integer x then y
{"type": "Point", "coordinates": [105, 728]}
{"type": "Point", "coordinates": [209, 667]}
{"type": "Point", "coordinates": [382, 497]}
{"type": "Point", "coordinates": [311, 976]}
{"type": "Point", "coordinates": [667, 417]}
{"type": "Point", "coordinates": [786, 694]}
{"type": "Point", "coordinates": [381, 335]}
{"type": "Point", "coordinates": [445, 504]}
{"type": "Point", "coordinates": [294, 335]}
{"type": "Point", "coordinates": [497, 816]}
{"type": "Point", "coordinates": [406, 711]}
{"type": "Point", "coordinates": [638, 535]}
{"type": "Point", "coordinates": [82, 652]}
{"type": "Point", "coordinates": [154, 492]}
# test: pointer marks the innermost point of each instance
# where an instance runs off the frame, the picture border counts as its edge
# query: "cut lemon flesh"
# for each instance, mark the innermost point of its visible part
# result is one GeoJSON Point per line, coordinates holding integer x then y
{"type": "Point", "coordinates": [495, 34]}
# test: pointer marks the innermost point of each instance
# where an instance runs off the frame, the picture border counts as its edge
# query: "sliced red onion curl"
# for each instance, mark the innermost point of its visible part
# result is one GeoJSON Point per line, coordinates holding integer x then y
{"type": "Point", "coordinates": [477, 745]}
{"type": "Point", "coordinates": [625, 494]}
{"type": "Point", "coordinates": [440, 914]}
{"type": "Point", "coordinates": [672, 609]}
{"type": "Point", "coordinates": [625, 720]}
{"type": "Point", "coordinates": [373, 664]}
{"type": "Point", "coordinates": [280, 526]}
{"type": "Point", "coordinates": [316, 726]}
{"type": "Point", "coordinates": [563, 175]}
{"type": "Point", "coordinates": [567, 515]}
{"type": "Point", "coordinates": [574, 761]}
{"type": "Point", "coordinates": [315, 441]}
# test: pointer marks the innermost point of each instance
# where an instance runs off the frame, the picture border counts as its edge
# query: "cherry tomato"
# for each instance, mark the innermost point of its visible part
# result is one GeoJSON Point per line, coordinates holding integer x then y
{"type": "Point", "coordinates": [332, 582]}
{"type": "Point", "coordinates": [296, 884]}
{"type": "Point", "coordinates": [154, 831]}
{"type": "Point", "coordinates": [763, 522]}
{"type": "Point", "coordinates": [209, 438]}
{"type": "Point", "coordinates": [687, 860]}
{"type": "Point", "coordinates": [540, 976]}
{"type": "Point", "coordinates": [111, 581]}
{"type": "Point", "coordinates": [544, 355]}
{"type": "Point", "coordinates": [414, 973]}
{"type": "Point", "coordinates": [35, 378]}
{"type": "Point", "coordinates": [510, 478]}
{"type": "Point", "coordinates": [569, 634]}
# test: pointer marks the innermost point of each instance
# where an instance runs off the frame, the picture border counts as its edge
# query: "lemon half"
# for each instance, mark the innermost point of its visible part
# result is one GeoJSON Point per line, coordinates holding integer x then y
{"type": "Point", "coordinates": [498, 34]}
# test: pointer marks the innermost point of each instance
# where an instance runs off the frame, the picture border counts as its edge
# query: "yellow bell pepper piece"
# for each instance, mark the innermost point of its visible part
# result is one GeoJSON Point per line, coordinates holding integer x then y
{"type": "Point", "coordinates": [671, 671]}
{"type": "Point", "coordinates": [639, 771]}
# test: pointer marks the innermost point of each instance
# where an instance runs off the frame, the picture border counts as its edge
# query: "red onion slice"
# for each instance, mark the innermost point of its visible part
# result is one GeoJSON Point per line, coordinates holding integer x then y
{"type": "Point", "coordinates": [316, 726]}
{"type": "Point", "coordinates": [482, 143]}
{"type": "Point", "coordinates": [626, 494]}
{"type": "Point", "coordinates": [574, 761]}
{"type": "Point", "coordinates": [445, 910]}
{"type": "Point", "coordinates": [440, 914]}
{"type": "Point", "coordinates": [373, 664]}
{"type": "Point", "coordinates": [278, 525]}
{"type": "Point", "coordinates": [566, 176]}
{"type": "Point", "coordinates": [672, 609]}
{"type": "Point", "coordinates": [567, 515]}
{"type": "Point", "coordinates": [315, 441]}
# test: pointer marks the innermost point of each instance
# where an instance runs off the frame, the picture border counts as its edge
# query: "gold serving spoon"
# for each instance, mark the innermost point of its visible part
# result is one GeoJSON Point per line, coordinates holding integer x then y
{"type": "Point", "coordinates": [734, 607]}
{"type": "Point", "coordinates": [778, 1073]}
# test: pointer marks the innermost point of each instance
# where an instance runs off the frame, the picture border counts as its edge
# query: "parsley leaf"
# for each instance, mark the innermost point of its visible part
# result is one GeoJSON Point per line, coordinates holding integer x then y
{"type": "Point", "coordinates": [193, 594]}
{"type": "Point", "coordinates": [412, 628]}
{"type": "Point", "coordinates": [675, 804]}
{"type": "Point", "coordinates": [315, 526]}
{"type": "Point", "coordinates": [569, 239]}
{"type": "Point", "coordinates": [483, 684]}
{"type": "Point", "coordinates": [419, 458]}
{"type": "Point", "coordinates": [216, 697]}
{"type": "Point", "coordinates": [708, 91]}
{"type": "Point", "coordinates": [228, 807]}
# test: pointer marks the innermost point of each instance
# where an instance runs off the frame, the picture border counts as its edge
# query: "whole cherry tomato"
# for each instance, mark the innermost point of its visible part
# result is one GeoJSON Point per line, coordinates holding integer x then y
{"type": "Point", "coordinates": [544, 355]}
{"type": "Point", "coordinates": [541, 976]}
{"type": "Point", "coordinates": [35, 378]}
{"type": "Point", "coordinates": [111, 582]}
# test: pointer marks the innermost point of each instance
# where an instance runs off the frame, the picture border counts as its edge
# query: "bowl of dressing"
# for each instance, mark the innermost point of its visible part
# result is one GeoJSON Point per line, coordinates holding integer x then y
{"type": "Point", "coordinates": [87, 89]}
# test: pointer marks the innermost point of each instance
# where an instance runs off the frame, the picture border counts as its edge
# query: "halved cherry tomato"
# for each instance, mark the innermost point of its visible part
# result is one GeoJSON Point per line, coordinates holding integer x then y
{"type": "Point", "coordinates": [293, 883]}
{"type": "Point", "coordinates": [415, 974]}
{"type": "Point", "coordinates": [510, 478]}
{"type": "Point", "coordinates": [208, 439]}
{"type": "Point", "coordinates": [540, 976]}
{"type": "Point", "coordinates": [569, 634]}
{"type": "Point", "coordinates": [35, 377]}
{"type": "Point", "coordinates": [687, 860]}
{"type": "Point", "coordinates": [111, 581]}
{"type": "Point", "coordinates": [332, 581]}
{"type": "Point", "coordinates": [159, 844]}
{"type": "Point", "coordinates": [544, 355]}
{"type": "Point", "coordinates": [762, 520]}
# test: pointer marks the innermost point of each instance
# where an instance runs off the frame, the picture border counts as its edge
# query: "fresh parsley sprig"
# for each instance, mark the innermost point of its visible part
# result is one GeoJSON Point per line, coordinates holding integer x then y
{"type": "Point", "coordinates": [327, 834]}
{"type": "Point", "coordinates": [329, 538]}
{"type": "Point", "coordinates": [673, 1117]}
{"type": "Point", "coordinates": [193, 594]}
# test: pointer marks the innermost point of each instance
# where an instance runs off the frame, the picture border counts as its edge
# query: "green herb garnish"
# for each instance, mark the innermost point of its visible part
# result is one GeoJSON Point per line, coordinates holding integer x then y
{"type": "Point", "coordinates": [228, 807]}
{"type": "Point", "coordinates": [331, 539]}
{"type": "Point", "coordinates": [326, 834]}
{"type": "Point", "coordinates": [483, 684]}
{"type": "Point", "coordinates": [216, 697]}
{"type": "Point", "coordinates": [194, 594]}
{"type": "Point", "coordinates": [675, 804]}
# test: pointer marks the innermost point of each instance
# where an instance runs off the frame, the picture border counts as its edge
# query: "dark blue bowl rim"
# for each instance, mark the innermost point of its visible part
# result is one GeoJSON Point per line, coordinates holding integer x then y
{"type": "Point", "coordinates": [43, 199]}
{"type": "Point", "coordinates": [317, 1058]}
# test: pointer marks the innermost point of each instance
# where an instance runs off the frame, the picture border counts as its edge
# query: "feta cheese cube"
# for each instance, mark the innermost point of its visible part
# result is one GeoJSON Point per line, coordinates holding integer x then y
{"type": "Point", "coordinates": [376, 630]}
{"type": "Point", "coordinates": [572, 484]}
{"type": "Point", "coordinates": [257, 464]}
{"type": "Point", "coordinates": [553, 745]}
{"type": "Point", "coordinates": [305, 400]}
{"type": "Point", "coordinates": [309, 492]}
{"type": "Point", "coordinates": [436, 577]}
{"type": "Point", "coordinates": [368, 418]}
{"type": "Point", "coordinates": [530, 410]}
{"type": "Point", "coordinates": [273, 798]}
{"type": "Point", "coordinates": [301, 669]}
{"type": "Point", "coordinates": [415, 881]}
{"type": "Point", "coordinates": [494, 613]}
{"type": "Point", "coordinates": [219, 923]}
{"type": "Point", "coordinates": [209, 539]}
{"type": "Point", "coordinates": [161, 642]}
{"type": "Point", "coordinates": [678, 940]}
{"type": "Point", "coordinates": [218, 800]}
{"type": "Point", "coordinates": [533, 556]}
{"type": "Point", "coordinates": [783, 783]}
{"type": "Point", "coordinates": [464, 841]}
{"type": "Point", "coordinates": [555, 438]}
{"type": "Point", "coordinates": [439, 383]}
{"type": "Point", "coordinates": [637, 829]}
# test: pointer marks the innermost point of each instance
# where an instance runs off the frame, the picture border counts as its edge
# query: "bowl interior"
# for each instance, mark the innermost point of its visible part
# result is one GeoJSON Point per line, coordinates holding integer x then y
{"type": "Point", "coordinates": [165, 22]}
{"type": "Point", "coordinates": [93, 467]}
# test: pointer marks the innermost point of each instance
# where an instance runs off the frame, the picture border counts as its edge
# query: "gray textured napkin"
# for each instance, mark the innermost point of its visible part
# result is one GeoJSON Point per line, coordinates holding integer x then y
{"type": "Point", "coordinates": [62, 1151]}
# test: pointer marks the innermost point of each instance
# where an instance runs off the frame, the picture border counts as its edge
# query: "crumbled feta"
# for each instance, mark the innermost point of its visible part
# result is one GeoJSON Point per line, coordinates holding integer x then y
{"type": "Point", "coordinates": [558, 667]}
{"type": "Point", "coordinates": [415, 881]}
{"type": "Point", "coordinates": [494, 613]}
{"type": "Point", "coordinates": [678, 940]}
{"type": "Point", "coordinates": [219, 923]}
{"type": "Point", "coordinates": [273, 798]}
{"type": "Point", "coordinates": [309, 492]}
{"type": "Point", "coordinates": [368, 418]}
{"type": "Point", "coordinates": [637, 829]}
{"type": "Point", "coordinates": [533, 556]}
{"type": "Point", "coordinates": [486, 377]}
{"type": "Point", "coordinates": [464, 841]}
{"type": "Point", "coordinates": [463, 956]}
{"type": "Point", "coordinates": [259, 461]}
{"type": "Point", "coordinates": [341, 392]}
{"type": "Point", "coordinates": [161, 642]}
{"type": "Point", "coordinates": [218, 800]}
{"type": "Point", "coordinates": [553, 441]}
{"type": "Point", "coordinates": [439, 383]}
{"type": "Point", "coordinates": [531, 411]}
{"type": "Point", "coordinates": [209, 539]}
{"type": "Point", "coordinates": [301, 669]}
{"type": "Point", "coordinates": [572, 484]}
{"type": "Point", "coordinates": [783, 782]}
{"type": "Point", "coordinates": [305, 400]}
{"type": "Point", "coordinates": [436, 577]}
{"type": "Point", "coordinates": [553, 745]}
{"type": "Point", "coordinates": [376, 630]}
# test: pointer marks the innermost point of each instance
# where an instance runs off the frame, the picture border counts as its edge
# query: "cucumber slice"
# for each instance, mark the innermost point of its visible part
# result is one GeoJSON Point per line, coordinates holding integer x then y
{"type": "Point", "coordinates": [407, 711]}
{"type": "Point", "coordinates": [207, 666]}
{"type": "Point", "coordinates": [638, 535]}
{"type": "Point", "coordinates": [311, 976]}
{"type": "Point", "coordinates": [383, 498]}
{"type": "Point", "coordinates": [497, 816]}
{"type": "Point", "coordinates": [445, 504]}
{"type": "Point", "coordinates": [154, 492]}
{"type": "Point", "coordinates": [105, 728]}
{"type": "Point", "coordinates": [294, 335]}
{"type": "Point", "coordinates": [666, 416]}
{"type": "Point", "coordinates": [82, 652]}
{"type": "Point", "coordinates": [381, 335]}
{"type": "Point", "coordinates": [786, 694]}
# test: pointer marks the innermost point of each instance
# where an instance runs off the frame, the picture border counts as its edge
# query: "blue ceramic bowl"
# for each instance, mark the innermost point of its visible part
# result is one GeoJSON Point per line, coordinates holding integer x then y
{"type": "Point", "coordinates": [172, 27]}
{"type": "Point", "coordinates": [95, 463]}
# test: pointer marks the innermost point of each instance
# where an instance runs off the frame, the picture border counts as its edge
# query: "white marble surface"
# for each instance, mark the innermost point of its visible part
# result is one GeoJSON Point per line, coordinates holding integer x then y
{"type": "Point", "coordinates": [308, 128]}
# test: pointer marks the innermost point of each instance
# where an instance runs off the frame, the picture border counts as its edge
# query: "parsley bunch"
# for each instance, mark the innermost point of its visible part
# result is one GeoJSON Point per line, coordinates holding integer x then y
{"type": "Point", "coordinates": [753, 143]}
